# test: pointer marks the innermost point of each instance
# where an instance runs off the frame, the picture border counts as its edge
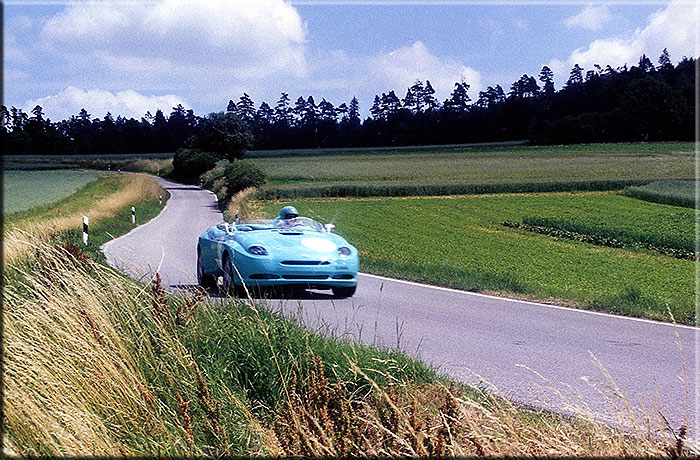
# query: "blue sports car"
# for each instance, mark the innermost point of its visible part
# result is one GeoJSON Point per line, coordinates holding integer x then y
{"type": "Point", "coordinates": [287, 251]}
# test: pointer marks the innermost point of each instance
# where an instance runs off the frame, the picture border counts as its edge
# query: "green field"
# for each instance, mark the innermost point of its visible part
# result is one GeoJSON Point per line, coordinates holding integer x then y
{"type": "Point", "coordinates": [23, 190]}
{"type": "Point", "coordinates": [451, 170]}
{"type": "Point", "coordinates": [461, 242]}
{"type": "Point", "coordinates": [675, 192]}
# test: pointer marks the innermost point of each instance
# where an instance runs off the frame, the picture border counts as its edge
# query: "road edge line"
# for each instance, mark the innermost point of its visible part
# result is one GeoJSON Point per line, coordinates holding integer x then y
{"type": "Point", "coordinates": [527, 302]}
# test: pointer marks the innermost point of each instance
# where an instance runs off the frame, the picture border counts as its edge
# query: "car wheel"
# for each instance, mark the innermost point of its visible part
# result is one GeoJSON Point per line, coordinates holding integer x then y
{"type": "Point", "coordinates": [204, 280]}
{"type": "Point", "coordinates": [344, 292]}
{"type": "Point", "coordinates": [229, 286]}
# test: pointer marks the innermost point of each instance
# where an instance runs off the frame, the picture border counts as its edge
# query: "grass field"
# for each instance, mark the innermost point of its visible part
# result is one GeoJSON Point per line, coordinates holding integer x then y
{"type": "Point", "coordinates": [461, 242]}
{"type": "Point", "coordinates": [23, 190]}
{"type": "Point", "coordinates": [675, 192]}
{"type": "Point", "coordinates": [446, 169]}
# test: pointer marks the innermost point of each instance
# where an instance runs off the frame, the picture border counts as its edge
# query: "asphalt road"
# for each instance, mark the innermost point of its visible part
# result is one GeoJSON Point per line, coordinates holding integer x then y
{"type": "Point", "coordinates": [540, 355]}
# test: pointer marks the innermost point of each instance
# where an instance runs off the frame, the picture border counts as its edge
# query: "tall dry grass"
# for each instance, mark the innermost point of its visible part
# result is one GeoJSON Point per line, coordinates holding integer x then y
{"type": "Point", "coordinates": [247, 207]}
{"type": "Point", "coordinates": [403, 419]}
{"type": "Point", "coordinates": [94, 365]}
{"type": "Point", "coordinates": [135, 189]}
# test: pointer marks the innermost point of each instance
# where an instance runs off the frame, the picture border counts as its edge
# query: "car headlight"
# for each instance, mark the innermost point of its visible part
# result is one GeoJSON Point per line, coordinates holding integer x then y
{"type": "Point", "coordinates": [344, 251]}
{"type": "Point", "coordinates": [257, 250]}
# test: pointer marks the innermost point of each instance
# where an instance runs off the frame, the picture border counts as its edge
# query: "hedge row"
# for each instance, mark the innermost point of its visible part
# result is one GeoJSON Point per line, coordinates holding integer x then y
{"type": "Point", "coordinates": [666, 197]}
{"type": "Point", "coordinates": [605, 237]}
{"type": "Point", "coordinates": [390, 190]}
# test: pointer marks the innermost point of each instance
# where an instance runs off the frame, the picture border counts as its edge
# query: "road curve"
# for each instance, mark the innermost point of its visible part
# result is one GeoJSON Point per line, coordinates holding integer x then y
{"type": "Point", "coordinates": [539, 355]}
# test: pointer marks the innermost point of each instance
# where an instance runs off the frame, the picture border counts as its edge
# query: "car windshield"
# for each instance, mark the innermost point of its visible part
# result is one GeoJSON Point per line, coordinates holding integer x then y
{"type": "Point", "coordinates": [296, 223]}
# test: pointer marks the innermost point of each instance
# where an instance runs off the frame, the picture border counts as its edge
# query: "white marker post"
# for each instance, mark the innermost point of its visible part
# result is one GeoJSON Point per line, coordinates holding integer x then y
{"type": "Point", "coordinates": [160, 200]}
{"type": "Point", "coordinates": [133, 215]}
{"type": "Point", "coordinates": [85, 230]}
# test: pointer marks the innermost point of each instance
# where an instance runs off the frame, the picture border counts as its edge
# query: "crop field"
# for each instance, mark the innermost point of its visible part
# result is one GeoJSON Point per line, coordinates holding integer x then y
{"type": "Point", "coordinates": [23, 190]}
{"type": "Point", "coordinates": [461, 242]}
{"type": "Point", "coordinates": [675, 192]}
{"type": "Point", "coordinates": [448, 171]}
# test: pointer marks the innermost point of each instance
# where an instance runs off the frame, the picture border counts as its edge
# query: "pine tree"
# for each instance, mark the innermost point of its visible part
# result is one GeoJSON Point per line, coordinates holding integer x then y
{"type": "Point", "coordinates": [459, 99]}
{"type": "Point", "coordinates": [547, 77]}
{"type": "Point", "coordinates": [376, 109]}
{"type": "Point", "coordinates": [354, 111]}
{"type": "Point", "coordinates": [83, 115]}
{"type": "Point", "coordinates": [300, 109]}
{"type": "Point", "coordinates": [311, 114]}
{"type": "Point", "coordinates": [328, 111]}
{"type": "Point", "coordinates": [231, 107]}
{"type": "Point", "coordinates": [38, 113]}
{"type": "Point", "coordinates": [390, 104]}
{"type": "Point", "coordinates": [429, 101]}
{"type": "Point", "coordinates": [283, 112]}
{"type": "Point", "coordinates": [265, 114]}
{"type": "Point", "coordinates": [665, 61]}
{"type": "Point", "coordinates": [246, 108]}
{"type": "Point", "coordinates": [645, 64]}
{"type": "Point", "coordinates": [575, 77]}
{"type": "Point", "coordinates": [342, 111]}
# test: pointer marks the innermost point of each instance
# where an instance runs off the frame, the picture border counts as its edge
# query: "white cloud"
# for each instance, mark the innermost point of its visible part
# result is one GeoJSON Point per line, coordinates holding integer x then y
{"type": "Point", "coordinates": [98, 102]}
{"type": "Point", "coordinates": [590, 17]}
{"type": "Point", "coordinates": [672, 27]}
{"type": "Point", "coordinates": [159, 38]}
{"type": "Point", "coordinates": [400, 68]}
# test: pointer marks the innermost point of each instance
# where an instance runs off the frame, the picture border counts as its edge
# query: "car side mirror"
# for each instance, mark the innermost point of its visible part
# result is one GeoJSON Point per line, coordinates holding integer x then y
{"type": "Point", "coordinates": [329, 228]}
{"type": "Point", "coordinates": [226, 227]}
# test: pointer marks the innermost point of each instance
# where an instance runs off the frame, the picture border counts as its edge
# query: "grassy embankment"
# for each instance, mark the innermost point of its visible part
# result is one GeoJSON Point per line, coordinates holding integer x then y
{"type": "Point", "coordinates": [98, 364]}
{"type": "Point", "coordinates": [461, 242]}
{"type": "Point", "coordinates": [107, 203]}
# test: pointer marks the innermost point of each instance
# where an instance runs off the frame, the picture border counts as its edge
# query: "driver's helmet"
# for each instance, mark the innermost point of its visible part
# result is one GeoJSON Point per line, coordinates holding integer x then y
{"type": "Point", "coordinates": [289, 212]}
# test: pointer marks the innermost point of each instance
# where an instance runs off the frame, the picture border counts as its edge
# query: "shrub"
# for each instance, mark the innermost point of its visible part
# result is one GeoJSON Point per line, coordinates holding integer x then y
{"type": "Point", "coordinates": [241, 175]}
{"type": "Point", "coordinates": [189, 164]}
{"type": "Point", "coordinates": [223, 133]}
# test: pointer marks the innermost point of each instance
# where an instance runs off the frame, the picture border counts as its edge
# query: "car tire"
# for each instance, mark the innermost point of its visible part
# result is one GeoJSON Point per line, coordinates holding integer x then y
{"type": "Point", "coordinates": [229, 286]}
{"type": "Point", "coordinates": [344, 292]}
{"type": "Point", "coordinates": [204, 280]}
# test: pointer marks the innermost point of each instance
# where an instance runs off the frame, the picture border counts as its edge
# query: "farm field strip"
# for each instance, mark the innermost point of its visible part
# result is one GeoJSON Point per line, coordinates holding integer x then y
{"type": "Point", "coordinates": [23, 190]}
{"type": "Point", "coordinates": [485, 147]}
{"type": "Point", "coordinates": [461, 243]}
{"type": "Point", "coordinates": [675, 192]}
{"type": "Point", "coordinates": [515, 165]}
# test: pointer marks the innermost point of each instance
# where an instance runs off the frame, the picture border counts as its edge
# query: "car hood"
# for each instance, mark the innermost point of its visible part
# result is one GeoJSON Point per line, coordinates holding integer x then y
{"type": "Point", "coordinates": [303, 244]}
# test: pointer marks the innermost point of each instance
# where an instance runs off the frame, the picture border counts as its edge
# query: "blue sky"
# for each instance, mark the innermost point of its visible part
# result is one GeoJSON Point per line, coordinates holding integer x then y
{"type": "Point", "coordinates": [131, 56]}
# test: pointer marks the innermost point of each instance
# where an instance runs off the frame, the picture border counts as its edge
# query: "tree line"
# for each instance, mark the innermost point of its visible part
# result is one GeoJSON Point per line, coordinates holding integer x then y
{"type": "Point", "coordinates": [645, 102]}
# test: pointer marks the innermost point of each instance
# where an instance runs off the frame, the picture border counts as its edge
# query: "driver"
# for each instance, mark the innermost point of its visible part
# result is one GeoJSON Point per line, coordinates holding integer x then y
{"type": "Point", "coordinates": [287, 219]}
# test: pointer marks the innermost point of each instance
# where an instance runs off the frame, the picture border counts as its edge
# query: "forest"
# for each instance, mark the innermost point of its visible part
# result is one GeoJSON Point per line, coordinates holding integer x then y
{"type": "Point", "coordinates": [644, 102]}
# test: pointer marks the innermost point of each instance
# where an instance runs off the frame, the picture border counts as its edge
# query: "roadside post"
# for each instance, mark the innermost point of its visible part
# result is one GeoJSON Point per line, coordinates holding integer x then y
{"type": "Point", "coordinates": [85, 230]}
{"type": "Point", "coordinates": [160, 200]}
{"type": "Point", "coordinates": [133, 215]}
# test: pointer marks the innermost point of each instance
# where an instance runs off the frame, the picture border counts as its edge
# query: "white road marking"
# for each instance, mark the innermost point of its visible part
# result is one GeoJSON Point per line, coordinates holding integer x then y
{"type": "Point", "coordinates": [527, 302]}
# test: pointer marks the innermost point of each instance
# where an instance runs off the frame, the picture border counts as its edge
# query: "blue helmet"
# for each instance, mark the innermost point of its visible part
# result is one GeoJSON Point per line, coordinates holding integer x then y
{"type": "Point", "coordinates": [289, 212]}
